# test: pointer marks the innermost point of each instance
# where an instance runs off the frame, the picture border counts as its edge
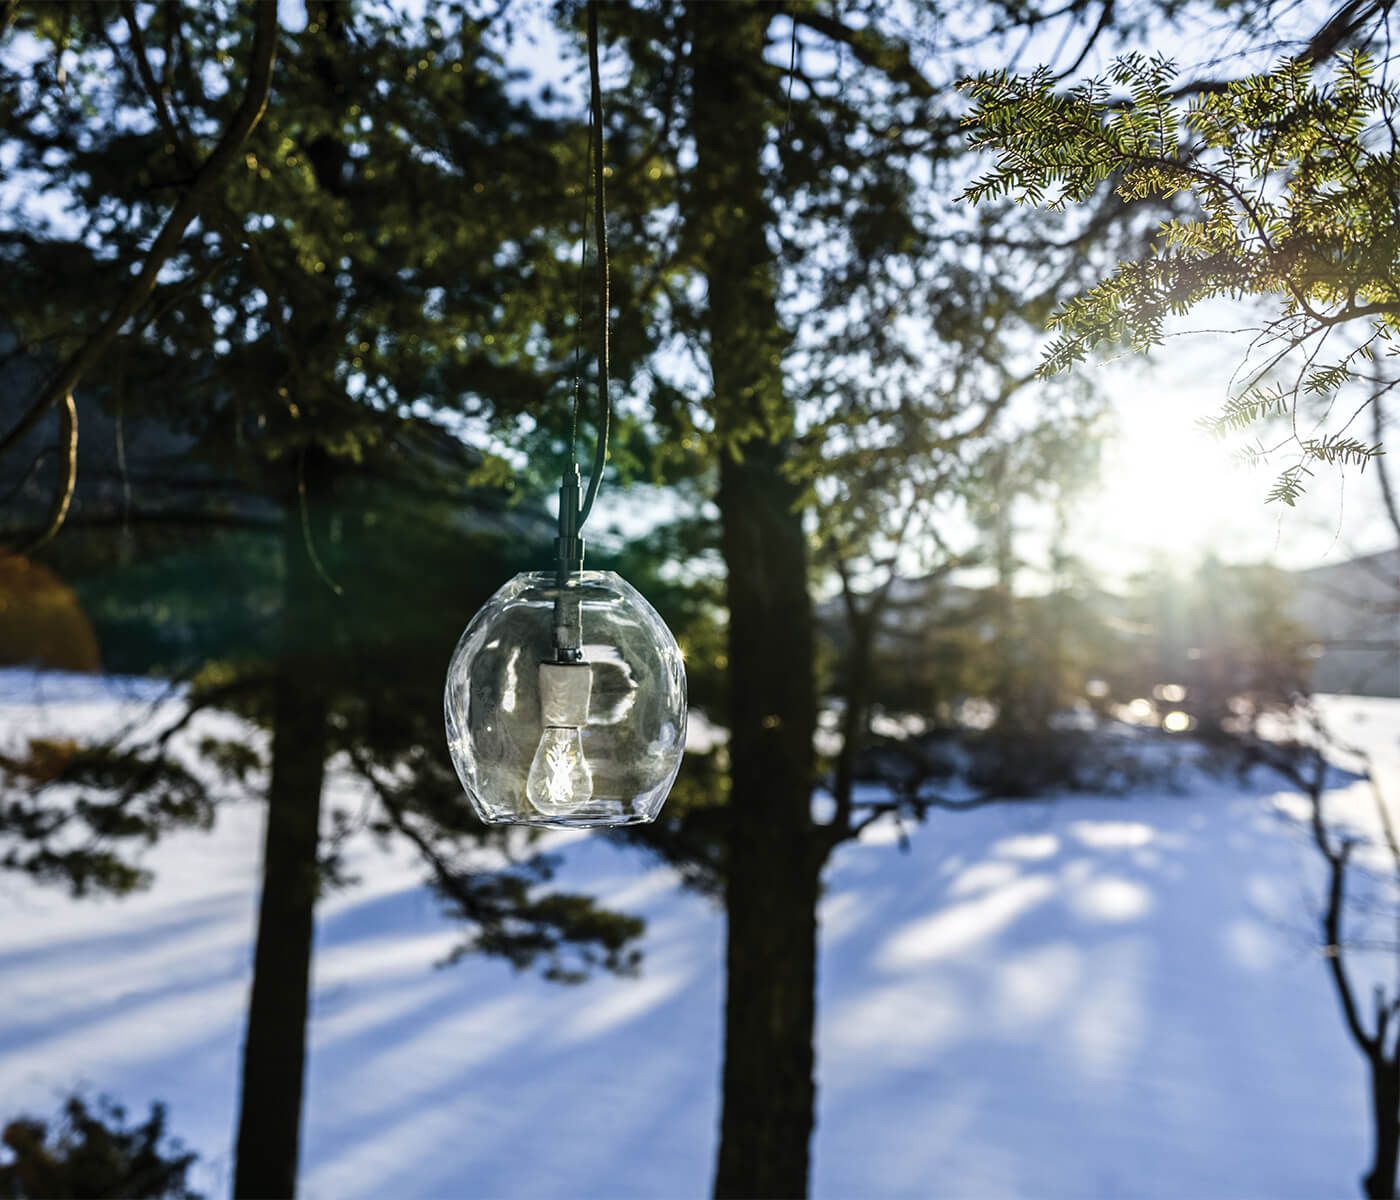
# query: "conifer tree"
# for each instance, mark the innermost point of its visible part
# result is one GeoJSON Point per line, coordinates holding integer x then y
{"type": "Point", "coordinates": [386, 256]}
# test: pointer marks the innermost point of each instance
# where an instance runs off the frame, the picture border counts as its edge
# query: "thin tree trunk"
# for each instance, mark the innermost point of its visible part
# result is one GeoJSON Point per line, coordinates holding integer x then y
{"type": "Point", "coordinates": [1392, 507]}
{"type": "Point", "coordinates": [1011, 716]}
{"type": "Point", "coordinates": [1379, 1181]}
{"type": "Point", "coordinates": [856, 720]}
{"type": "Point", "coordinates": [774, 860]}
{"type": "Point", "coordinates": [275, 1047]}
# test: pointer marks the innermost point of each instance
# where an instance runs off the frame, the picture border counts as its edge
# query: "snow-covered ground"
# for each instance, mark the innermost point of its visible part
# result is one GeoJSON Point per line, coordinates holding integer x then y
{"type": "Point", "coordinates": [1090, 997]}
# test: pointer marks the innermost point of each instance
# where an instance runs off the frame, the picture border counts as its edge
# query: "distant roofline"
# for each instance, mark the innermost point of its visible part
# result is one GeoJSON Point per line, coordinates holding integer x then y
{"type": "Point", "coordinates": [1376, 558]}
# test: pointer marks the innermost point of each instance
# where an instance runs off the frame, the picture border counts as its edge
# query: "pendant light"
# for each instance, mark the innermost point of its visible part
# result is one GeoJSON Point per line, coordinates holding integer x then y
{"type": "Point", "coordinates": [565, 700]}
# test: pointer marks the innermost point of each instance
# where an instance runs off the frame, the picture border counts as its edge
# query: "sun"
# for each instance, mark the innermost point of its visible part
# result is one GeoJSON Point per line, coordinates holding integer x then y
{"type": "Point", "coordinates": [1170, 490]}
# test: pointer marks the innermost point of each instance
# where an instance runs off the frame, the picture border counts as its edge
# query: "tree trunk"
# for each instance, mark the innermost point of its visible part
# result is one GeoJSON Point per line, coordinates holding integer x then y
{"type": "Point", "coordinates": [275, 1047]}
{"type": "Point", "coordinates": [773, 860]}
{"type": "Point", "coordinates": [1379, 1181]}
{"type": "Point", "coordinates": [773, 863]}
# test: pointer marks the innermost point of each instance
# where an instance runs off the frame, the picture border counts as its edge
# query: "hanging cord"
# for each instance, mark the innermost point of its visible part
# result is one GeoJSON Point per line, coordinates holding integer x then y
{"type": "Point", "coordinates": [582, 303]}
{"type": "Point", "coordinates": [600, 233]}
{"type": "Point", "coordinates": [572, 513]}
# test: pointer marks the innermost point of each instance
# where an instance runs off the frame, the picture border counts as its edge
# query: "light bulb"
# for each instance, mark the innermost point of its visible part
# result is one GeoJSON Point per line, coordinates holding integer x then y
{"type": "Point", "coordinates": [555, 684]}
{"type": "Point", "coordinates": [560, 781]}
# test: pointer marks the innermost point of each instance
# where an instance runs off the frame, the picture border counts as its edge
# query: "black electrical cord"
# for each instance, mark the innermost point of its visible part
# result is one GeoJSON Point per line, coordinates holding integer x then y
{"type": "Point", "coordinates": [582, 305]}
{"type": "Point", "coordinates": [572, 514]}
{"type": "Point", "coordinates": [600, 231]}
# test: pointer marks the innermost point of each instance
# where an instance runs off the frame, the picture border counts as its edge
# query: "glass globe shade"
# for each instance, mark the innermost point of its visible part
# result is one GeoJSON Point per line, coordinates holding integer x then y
{"type": "Point", "coordinates": [588, 735]}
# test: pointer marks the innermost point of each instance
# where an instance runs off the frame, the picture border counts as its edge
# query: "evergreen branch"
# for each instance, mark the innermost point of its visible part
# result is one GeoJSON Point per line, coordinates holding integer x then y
{"type": "Point", "coordinates": [1295, 199]}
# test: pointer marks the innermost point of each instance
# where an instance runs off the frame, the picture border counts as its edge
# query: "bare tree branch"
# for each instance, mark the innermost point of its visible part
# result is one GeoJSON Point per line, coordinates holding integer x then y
{"type": "Point", "coordinates": [1343, 25]}
{"type": "Point", "coordinates": [920, 803]}
{"type": "Point", "coordinates": [870, 49]}
{"type": "Point", "coordinates": [1105, 16]}
{"type": "Point", "coordinates": [151, 85]}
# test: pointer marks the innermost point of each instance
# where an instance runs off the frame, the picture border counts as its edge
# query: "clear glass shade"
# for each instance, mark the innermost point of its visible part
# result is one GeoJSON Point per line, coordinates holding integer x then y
{"type": "Point", "coordinates": [566, 706]}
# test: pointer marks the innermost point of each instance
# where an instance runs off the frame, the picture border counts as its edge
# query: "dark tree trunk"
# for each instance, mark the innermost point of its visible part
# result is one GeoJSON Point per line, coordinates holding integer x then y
{"type": "Point", "coordinates": [774, 861]}
{"type": "Point", "coordinates": [1379, 1181]}
{"type": "Point", "coordinates": [275, 1047]}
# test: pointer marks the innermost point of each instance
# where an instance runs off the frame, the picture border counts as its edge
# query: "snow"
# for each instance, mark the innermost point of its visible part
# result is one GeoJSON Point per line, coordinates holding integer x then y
{"type": "Point", "coordinates": [1096, 996]}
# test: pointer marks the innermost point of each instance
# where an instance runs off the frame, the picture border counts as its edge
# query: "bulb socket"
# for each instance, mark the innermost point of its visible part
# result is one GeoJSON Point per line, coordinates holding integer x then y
{"type": "Point", "coordinates": [565, 690]}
